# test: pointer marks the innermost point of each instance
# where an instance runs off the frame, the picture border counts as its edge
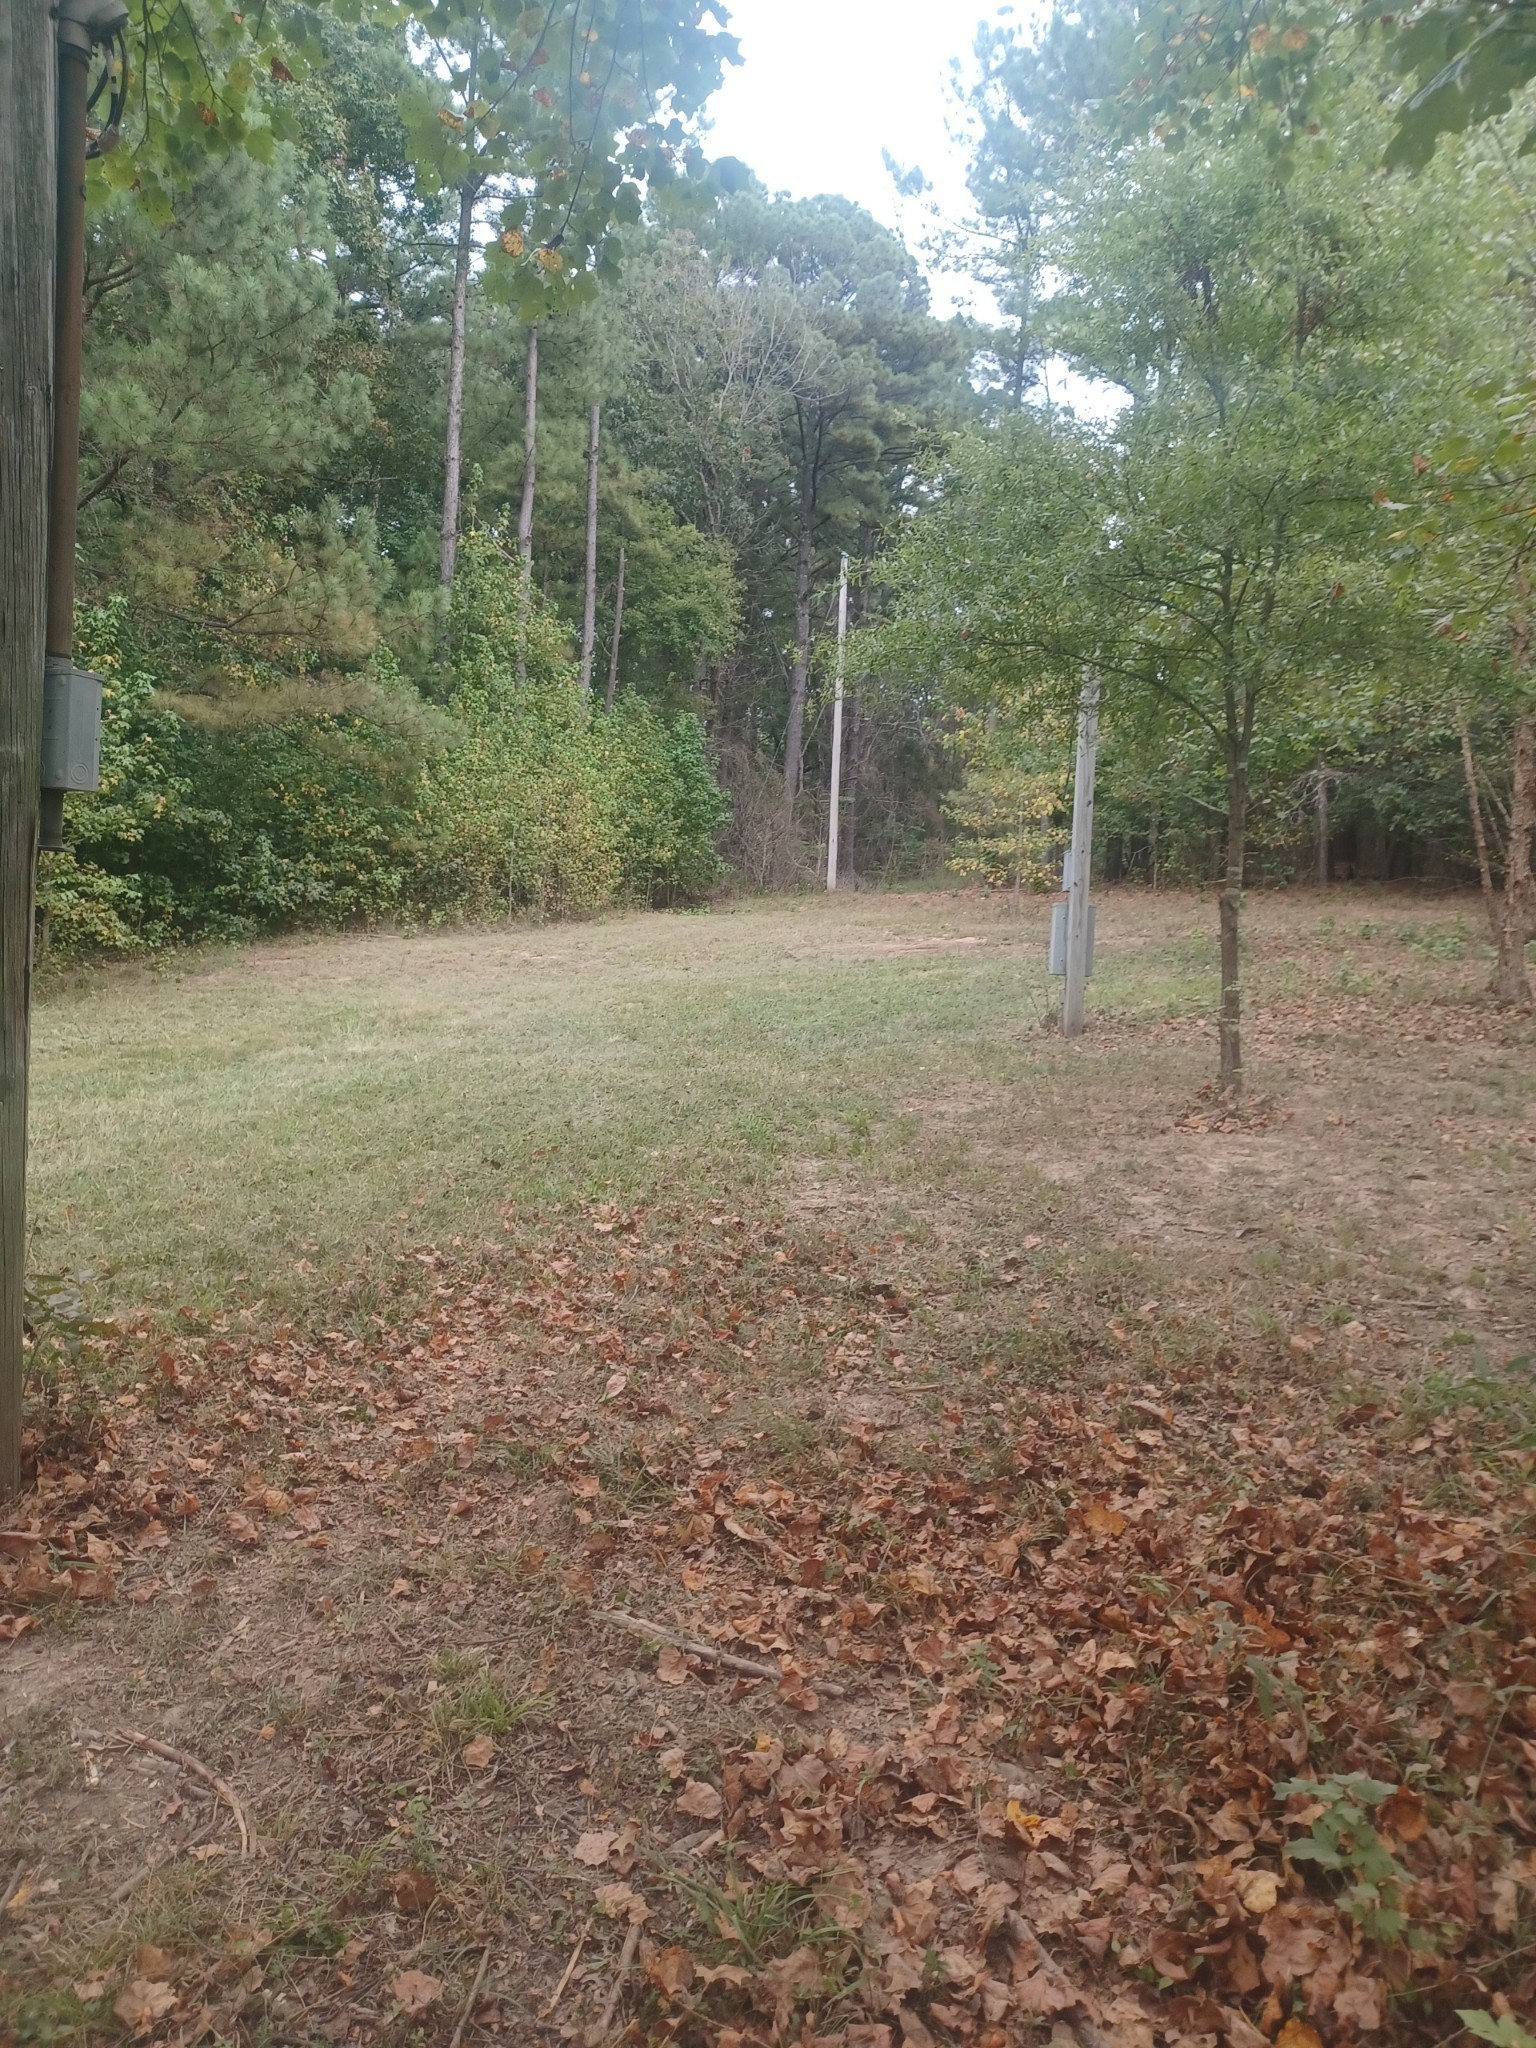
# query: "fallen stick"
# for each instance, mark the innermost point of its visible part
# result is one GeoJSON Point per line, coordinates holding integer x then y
{"type": "Point", "coordinates": [188, 1762]}
{"type": "Point", "coordinates": [616, 1989]}
{"type": "Point", "coordinates": [474, 1993]}
{"type": "Point", "coordinates": [639, 1626]}
{"type": "Point", "coordinates": [570, 1969]}
{"type": "Point", "coordinates": [144, 1870]}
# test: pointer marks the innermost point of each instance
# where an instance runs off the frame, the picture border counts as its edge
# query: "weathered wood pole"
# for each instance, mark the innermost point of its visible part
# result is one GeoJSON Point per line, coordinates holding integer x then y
{"type": "Point", "coordinates": [27, 224]}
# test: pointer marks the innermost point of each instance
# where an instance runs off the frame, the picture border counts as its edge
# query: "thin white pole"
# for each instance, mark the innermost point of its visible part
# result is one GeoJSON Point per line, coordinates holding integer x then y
{"type": "Point", "coordinates": [837, 726]}
{"type": "Point", "coordinates": [1082, 858]}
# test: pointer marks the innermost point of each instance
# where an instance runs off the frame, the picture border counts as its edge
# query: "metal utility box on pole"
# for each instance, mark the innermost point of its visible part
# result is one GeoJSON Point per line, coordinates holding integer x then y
{"type": "Point", "coordinates": [837, 726]}
{"type": "Point", "coordinates": [1079, 911]}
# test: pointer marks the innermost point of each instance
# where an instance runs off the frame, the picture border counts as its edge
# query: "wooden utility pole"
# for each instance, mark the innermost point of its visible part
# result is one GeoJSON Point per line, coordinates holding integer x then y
{"type": "Point", "coordinates": [837, 726]}
{"type": "Point", "coordinates": [618, 628]}
{"type": "Point", "coordinates": [27, 225]}
{"type": "Point", "coordinates": [589, 614]}
{"type": "Point", "coordinates": [1082, 858]}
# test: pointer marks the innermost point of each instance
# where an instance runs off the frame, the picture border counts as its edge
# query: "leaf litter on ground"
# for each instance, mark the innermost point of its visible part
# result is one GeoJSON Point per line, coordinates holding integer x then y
{"type": "Point", "coordinates": [1176, 1704]}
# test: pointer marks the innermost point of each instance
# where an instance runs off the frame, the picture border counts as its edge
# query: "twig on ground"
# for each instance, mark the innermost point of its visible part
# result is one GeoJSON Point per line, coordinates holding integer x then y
{"type": "Point", "coordinates": [474, 1993]}
{"type": "Point", "coordinates": [190, 1763]}
{"type": "Point", "coordinates": [570, 1969]}
{"type": "Point", "coordinates": [144, 1870]}
{"type": "Point", "coordinates": [620, 1976]}
{"type": "Point", "coordinates": [13, 1887]}
{"type": "Point", "coordinates": [639, 1626]}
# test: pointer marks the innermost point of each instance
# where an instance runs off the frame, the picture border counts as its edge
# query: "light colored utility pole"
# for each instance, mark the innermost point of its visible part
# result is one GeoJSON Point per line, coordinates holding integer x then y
{"type": "Point", "coordinates": [589, 613]}
{"type": "Point", "coordinates": [837, 725]}
{"type": "Point", "coordinates": [1082, 858]}
{"type": "Point", "coordinates": [525, 511]}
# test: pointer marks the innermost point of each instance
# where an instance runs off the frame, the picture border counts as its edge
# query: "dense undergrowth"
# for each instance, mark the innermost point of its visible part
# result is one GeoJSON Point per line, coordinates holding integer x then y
{"type": "Point", "coordinates": [362, 800]}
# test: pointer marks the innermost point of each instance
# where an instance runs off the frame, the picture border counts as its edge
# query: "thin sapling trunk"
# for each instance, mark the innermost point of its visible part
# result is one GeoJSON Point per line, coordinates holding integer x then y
{"type": "Point", "coordinates": [1479, 829]}
{"type": "Point", "coordinates": [618, 628]}
{"type": "Point", "coordinates": [1240, 715]}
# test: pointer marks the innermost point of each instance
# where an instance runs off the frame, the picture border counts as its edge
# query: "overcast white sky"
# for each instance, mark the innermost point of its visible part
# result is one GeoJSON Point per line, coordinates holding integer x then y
{"type": "Point", "coordinates": [827, 85]}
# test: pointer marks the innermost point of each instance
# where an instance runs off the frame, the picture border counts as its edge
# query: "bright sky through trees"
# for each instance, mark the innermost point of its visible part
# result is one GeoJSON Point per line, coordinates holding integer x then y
{"type": "Point", "coordinates": [828, 85]}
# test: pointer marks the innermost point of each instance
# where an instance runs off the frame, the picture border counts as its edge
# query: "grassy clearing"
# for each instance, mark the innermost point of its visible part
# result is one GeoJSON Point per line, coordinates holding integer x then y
{"type": "Point", "coordinates": [249, 1129]}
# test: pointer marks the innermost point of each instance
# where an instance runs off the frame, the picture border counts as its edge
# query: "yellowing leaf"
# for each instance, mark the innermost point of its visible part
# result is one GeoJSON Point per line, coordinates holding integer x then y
{"type": "Point", "coordinates": [1259, 1890]}
{"type": "Point", "coordinates": [1297, 2034]}
{"type": "Point", "coordinates": [1102, 1520]}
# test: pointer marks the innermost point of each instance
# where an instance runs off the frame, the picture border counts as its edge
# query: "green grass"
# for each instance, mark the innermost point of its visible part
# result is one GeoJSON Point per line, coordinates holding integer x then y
{"type": "Point", "coordinates": [245, 1126]}
{"type": "Point", "coordinates": [271, 1130]}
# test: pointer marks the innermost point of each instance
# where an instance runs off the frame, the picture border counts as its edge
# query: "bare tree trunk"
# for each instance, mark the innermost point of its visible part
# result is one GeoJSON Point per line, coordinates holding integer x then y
{"type": "Point", "coordinates": [27, 201]}
{"type": "Point", "coordinates": [449, 544]}
{"type": "Point", "coordinates": [1322, 826]}
{"type": "Point", "coordinates": [525, 511]}
{"type": "Point", "coordinates": [1231, 909]}
{"type": "Point", "coordinates": [589, 614]}
{"type": "Point", "coordinates": [1479, 830]}
{"type": "Point", "coordinates": [850, 825]}
{"type": "Point", "coordinates": [1511, 983]}
{"type": "Point", "coordinates": [794, 731]}
{"type": "Point", "coordinates": [618, 628]}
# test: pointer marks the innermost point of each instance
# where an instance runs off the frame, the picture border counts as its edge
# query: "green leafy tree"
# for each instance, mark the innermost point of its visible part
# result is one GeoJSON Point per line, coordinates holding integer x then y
{"type": "Point", "coordinates": [1213, 556]}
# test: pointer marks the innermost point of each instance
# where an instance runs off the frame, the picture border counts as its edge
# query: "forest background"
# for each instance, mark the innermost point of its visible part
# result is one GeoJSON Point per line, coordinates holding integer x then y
{"type": "Point", "coordinates": [379, 422]}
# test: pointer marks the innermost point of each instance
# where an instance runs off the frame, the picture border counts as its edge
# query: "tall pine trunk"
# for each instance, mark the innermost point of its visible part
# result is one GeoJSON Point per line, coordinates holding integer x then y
{"type": "Point", "coordinates": [794, 730]}
{"type": "Point", "coordinates": [589, 613]}
{"type": "Point", "coordinates": [1511, 982]}
{"type": "Point", "coordinates": [525, 511]}
{"type": "Point", "coordinates": [448, 548]}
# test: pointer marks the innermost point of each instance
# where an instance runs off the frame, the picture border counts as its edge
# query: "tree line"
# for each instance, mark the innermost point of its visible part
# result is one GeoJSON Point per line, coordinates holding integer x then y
{"type": "Point", "coordinates": [467, 461]}
{"type": "Point", "coordinates": [433, 414]}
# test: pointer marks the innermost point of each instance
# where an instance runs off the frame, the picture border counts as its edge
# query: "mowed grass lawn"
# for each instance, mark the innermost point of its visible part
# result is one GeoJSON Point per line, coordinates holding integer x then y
{"type": "Point", "coordinates": [247, 1127]}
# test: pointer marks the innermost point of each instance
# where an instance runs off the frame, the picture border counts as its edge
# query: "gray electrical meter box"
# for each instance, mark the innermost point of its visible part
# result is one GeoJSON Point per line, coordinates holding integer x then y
{"type": "Point", "coordinates": [1059, 938]}
{"type": "Point", "coordinates": [71, 726]}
